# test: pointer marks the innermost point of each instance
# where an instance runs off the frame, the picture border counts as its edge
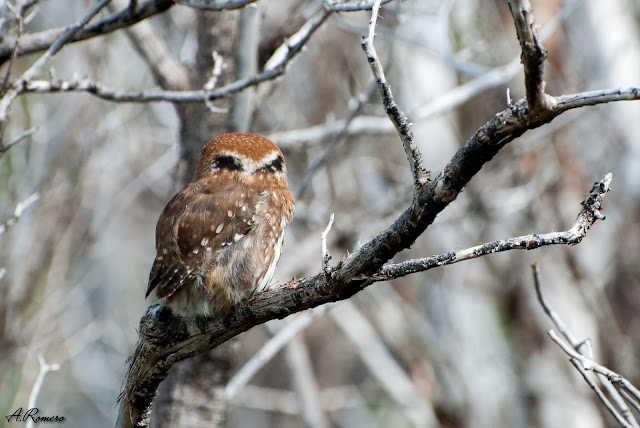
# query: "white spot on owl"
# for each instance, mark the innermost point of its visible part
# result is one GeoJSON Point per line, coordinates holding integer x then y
{"type": "Point", "coordinates": [219, 228]}
{"type": "Point", "coordinates": [237, 237]}
{"type": "Point", "coordinates": [230, 213]}
{"type": "Point", "coordinates": [165, 251]}
{"type": "Point", "coordinates": [204, 242]}
{"type": "Point", "coordinates": [196, 251]}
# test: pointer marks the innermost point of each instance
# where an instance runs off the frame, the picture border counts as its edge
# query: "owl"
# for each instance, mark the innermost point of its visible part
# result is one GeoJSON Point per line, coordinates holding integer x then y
{"type": "Point", "coordinates": [218, 241]}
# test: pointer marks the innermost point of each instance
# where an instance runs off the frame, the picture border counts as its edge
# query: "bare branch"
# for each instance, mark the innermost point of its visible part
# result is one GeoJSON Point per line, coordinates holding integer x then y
{"type": "Point", "coordinates": [622, 412]}
{"type": "Point", "coordinates": [26, 134]}
{"type": "Point", "coordinates": [560, 325]}
{"type": "Point", "coordinates": [152, 95]}
{"type": "Point", "coordinates": [313, 135]}
{"type": "Point", "coordinates": [216, 72]}
{"type": "Point", "coordinates": [590, 365]}
{"type": "Point", "coordinates": [216, 5]}
{"type": "Point", "coordinates": [167, 71]}
{"type": "Point", "coordinates": [587, 216]}
{"type": "Point", "coordinates": [592, 98]}
{"type": "Point", "coordinates": [399, 120]}
{"type": "Point", "coordinates": [533, 55]}
{"type": "Point", "coordinates": [296, 41]}
{"type": "Point", "coordinates": [274, 68]}
{"type": "Point", "coordinates": [352, 6]}
{"type": "Point", "coordinates": [18, 86]}
{"type": "Point", "coordinates": [165, 339]}
{"type": "Point", "coordinates": [337, 137]}
{"type": "Point", "coordinates": [138, 11]}
{"type": "Point", "coordinates": [17, 213]}
{"type": "Point", "coordinates": [35, 391]}
{"type": "Point", "coordinates": [596, 389]}
{"type": "Point", "coordinates": [325, 254]}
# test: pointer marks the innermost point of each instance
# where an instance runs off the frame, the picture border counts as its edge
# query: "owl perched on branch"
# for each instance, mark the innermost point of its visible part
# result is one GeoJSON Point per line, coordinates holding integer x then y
{"type": "Point", "coordinates": [219, 239]}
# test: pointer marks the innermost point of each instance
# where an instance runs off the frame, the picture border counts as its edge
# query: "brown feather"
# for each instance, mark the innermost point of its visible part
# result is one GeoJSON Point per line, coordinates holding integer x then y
{"type": "Point", "coordinates": [219, 239]}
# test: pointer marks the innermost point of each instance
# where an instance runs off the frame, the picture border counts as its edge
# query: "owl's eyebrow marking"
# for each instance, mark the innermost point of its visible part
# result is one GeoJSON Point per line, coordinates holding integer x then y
{"type": "Point", "coordinates": [228, 162]}
{"type": "Point", "coordinates": [273, 166]}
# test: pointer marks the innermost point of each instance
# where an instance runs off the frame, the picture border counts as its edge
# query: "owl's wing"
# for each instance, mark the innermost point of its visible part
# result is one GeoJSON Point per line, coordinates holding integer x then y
{"type": "Point", "coordinates": [200, 221]}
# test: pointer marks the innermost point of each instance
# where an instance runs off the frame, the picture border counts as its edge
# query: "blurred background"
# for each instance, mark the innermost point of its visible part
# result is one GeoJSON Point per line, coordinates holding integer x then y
{"type": "Point", "coordinates": [459, 346]}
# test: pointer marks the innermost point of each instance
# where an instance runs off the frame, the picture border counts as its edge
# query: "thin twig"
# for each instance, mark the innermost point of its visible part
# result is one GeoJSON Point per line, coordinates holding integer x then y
{"type": "Point", "coordinates": [35, 391]}
{"type": "Point", "coordinates": [399, 120]}
{"type": "Point", "coordinates": [337, 137]}
{"type": "Point", "coordinates": [16, 44]}
{"type": "Point", "coordinates": [610, 407]}
{"type": "Point", "coordinates": [209, 86]}
{"type": "Point", "coordinates": [26, 134]}
{"type": "Point", "coordinates": [630, 399]}
{"type": "Point", "coordinates": [17, 213]}
{"type": "Point", "coordinates": [216, 5]}
{"type": "Point", "coordinates": [620, 410]}
{"type": "Point", "coordinates": [292, 45]}
{"type": "Point", "coordinates": [589, 364]}
{"type": "Point", "coordinates": [560, 325]}
{"type": "Point", "coordinates": [168, 72]}
{"type": "Point", "coordinates": [325, 254]}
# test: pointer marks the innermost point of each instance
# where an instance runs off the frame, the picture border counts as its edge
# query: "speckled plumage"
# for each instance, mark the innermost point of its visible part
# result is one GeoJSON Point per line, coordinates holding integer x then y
{"type": "Point", "coordinates": [219, 239]}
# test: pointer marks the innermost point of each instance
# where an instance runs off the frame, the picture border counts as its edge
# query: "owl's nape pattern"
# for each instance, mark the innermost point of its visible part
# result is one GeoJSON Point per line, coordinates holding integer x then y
{"type": "Point", "coordinates": [219, 239]}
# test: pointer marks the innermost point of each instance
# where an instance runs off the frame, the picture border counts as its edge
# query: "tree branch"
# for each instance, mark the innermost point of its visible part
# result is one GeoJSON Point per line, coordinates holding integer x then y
{"type": "Point", "coordinates": [532, 57]}
{"type": "Point", "coordinates": [585, 219]}
{"type": "Point", "coordinates": [581, 354]}
{"type": "Point", "coordinates": [133, 13]}
{"type": "Point", "coordinates": [18, 86]}
{"type": "Point", "coordinates": [165, 339]}
{"type": "Point", "coordinates": [399, 120]}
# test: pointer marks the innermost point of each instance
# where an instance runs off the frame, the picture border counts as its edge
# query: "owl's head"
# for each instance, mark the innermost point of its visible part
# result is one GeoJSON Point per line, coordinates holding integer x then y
{"type": "Point", "coordinates": [241, 154]}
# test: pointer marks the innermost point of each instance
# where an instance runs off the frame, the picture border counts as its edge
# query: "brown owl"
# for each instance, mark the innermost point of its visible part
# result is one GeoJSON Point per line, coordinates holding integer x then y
{"type": "Point", "coordinates": [219, 239]}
